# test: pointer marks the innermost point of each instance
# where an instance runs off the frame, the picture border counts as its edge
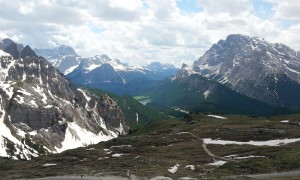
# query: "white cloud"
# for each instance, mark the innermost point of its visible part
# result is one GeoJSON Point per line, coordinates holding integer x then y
{"type": "Point", "coordinates": [233, 7]}
{"type": "Point", "coordinates": [163, 10]}
{"type": "Point", "coordinates": [130, 5]}
{"type": "Point", "coordinates": [141, 31]}
{"type": "Point", "coordinates": [286, 9]}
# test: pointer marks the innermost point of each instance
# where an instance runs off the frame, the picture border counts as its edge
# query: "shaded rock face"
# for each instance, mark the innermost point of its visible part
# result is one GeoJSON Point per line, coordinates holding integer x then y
{"type": "Point", "coordinates": [34, 118]}
{"type": "Point", "coordinates": [9, 46]}
{"type": "Point", "coordinates": [27, 51]}
{"type": "Point", "coordinates": [12, 50]}
{"type": "Point", "coordinates": [252, 67]}
{"type": "Point", "coordinates": [37, 100]}
{"type": "Point", "coordinates": [112, 113]}
{"type": "Point", "coordinates": [102, 74]}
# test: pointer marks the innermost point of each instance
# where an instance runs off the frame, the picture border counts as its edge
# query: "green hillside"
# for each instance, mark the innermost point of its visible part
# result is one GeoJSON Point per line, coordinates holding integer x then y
{"type": "Point", "coordinates": [132, 108]}
{"type": "Point", "coordinates": [188, 94]}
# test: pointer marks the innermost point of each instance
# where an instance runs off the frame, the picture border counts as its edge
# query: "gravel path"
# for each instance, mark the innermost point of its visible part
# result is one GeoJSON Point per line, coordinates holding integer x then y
{"type": "Point", "coordinates": [83, 178]}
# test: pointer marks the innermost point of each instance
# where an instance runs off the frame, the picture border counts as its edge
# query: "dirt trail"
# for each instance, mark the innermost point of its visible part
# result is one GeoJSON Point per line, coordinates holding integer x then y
{"type": "Point", "coordinates": [132, 177]}
{"type": "Point", "coordinates": [255, 176]}
{"type": "Point", "coordinates": [214, 157]}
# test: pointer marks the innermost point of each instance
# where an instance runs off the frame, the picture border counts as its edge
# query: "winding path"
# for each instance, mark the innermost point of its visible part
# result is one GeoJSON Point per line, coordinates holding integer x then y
{"type": "Point", "coordinates": [255, 176]}
{"type": "Point", "coordinates": [214, 157]}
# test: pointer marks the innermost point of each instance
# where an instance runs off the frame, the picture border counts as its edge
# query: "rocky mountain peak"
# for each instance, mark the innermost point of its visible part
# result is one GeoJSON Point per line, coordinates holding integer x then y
{"type": "Point", "coordinates": [65, 50]}
{"type": "Point", "coordinates": [105, 57]}
{"type": "Point", "coordinates": [12, 49]}
{"type": "Point", "coordinates": [6, 42]}
{"type": "Point", "coordinates": [27, 51]}
{"type": "Point", "coordinates": [11, 46]}
{"type": "Point", "coordinates": [250, 66]}
{"type": "Point", "coordinates": [183, 66]}
{"type": "Point", "coordinates": [56, 53]}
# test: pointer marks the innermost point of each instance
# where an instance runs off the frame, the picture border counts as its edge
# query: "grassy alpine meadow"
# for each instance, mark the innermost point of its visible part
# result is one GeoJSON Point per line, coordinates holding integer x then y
{"type": "Point", "coordinates": [181, 148]}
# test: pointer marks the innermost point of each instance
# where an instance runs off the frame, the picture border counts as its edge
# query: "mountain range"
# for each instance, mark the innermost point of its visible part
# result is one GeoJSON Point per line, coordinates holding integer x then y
{"type": "Point", "coordinates": [100, 71]}
{"type": "Point", "coordinates": [265, 75]}
{"type": "Point", "coordinates": [42, 112]}
{"type": "Point", "coordinates": [253, 71]}
{"type": "Point", "coordinates": [254, 67]}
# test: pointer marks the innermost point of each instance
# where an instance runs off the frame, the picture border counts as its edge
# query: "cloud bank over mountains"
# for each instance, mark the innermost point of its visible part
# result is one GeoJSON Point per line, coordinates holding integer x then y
{"type": "Point", "coordinates": [142, 31]}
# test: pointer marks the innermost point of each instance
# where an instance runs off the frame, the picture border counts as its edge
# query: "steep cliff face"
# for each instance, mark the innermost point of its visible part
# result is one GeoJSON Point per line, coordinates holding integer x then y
{"type": "Point", "coordinates": [41, 110]}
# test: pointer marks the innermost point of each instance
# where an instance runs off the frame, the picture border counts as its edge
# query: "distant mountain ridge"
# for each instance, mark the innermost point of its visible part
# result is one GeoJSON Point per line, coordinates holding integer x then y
{"type": "Point", "coordinates": [63, 58]}
{"type": "Point", "coordinates": [41, 111]}
{"type": "Point", "coordinates": [101, 71]}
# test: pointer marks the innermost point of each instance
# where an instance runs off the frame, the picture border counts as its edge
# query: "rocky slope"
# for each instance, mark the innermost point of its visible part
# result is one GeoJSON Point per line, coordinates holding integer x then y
{"type": "Point", "coordinates": [254, 67]}
{"type": "Point", "coordinates": [41, 111]}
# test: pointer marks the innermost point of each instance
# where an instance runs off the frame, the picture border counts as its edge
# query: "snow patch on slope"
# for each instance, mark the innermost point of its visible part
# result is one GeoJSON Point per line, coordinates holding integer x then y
{"type": "Point", "coordinates": [70, 69]}
{"type": "Point", "coordinates": [77, 136]}
{"type": "Point", "coordinates": [285, 121]}
{"type": "Point", "coordinates": [91, 67]}
{"type": "Point", "coordinates": [218, 117]}
{"type": "Point", "coordinates": [292, 70]}
{"type": "Point", "coordinates": [276, 142]}
{"type": "Point", "coordinates": [206, 94]}
{"type": "Point", "coordinates": [174, 168]}
{"type": "Point", "coordinates": [40, 91]}
{"type": "Point", "coordinates": [2, 53]}
{"type": "Point", "coordinates": [218, 163]}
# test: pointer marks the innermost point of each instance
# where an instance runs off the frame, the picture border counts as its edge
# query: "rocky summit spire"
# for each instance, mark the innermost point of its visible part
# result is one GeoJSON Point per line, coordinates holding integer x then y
{"type": "Point", "coordinates": [27, 51]}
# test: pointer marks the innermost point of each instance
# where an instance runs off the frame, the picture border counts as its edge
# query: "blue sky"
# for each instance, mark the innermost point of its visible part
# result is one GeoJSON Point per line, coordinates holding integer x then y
{"type": "Point", "coordinates": [141, 31]}
{"type": "Point", "coordinates": [189, 6]}
{"type": "Point", "coordinates": [262, 9]}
